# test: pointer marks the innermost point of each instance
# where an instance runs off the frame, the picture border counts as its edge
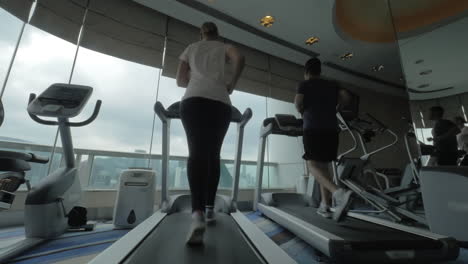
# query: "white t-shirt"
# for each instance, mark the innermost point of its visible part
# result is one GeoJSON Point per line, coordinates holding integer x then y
{"type": "Point", "coordinates": [207, 60]}
{"type": "Point", "coordinates": [462, 139]}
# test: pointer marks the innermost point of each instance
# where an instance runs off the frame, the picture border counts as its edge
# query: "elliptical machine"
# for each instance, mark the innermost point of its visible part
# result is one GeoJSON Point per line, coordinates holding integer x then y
{"type": "Point", "coordinates": [50, 207]}
{"type": "Point", "coordinates": [348, 170]}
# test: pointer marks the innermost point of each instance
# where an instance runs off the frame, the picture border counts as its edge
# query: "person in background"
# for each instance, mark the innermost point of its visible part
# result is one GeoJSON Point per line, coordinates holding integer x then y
{"type": "Point", "coordinates": [205, 111]}
{"type": "Point", "coordinates": [317, 100]}
{"type": "Point", "coordinates": [462, 138]}
{"type": "Point", "coordinates": [444, 136]}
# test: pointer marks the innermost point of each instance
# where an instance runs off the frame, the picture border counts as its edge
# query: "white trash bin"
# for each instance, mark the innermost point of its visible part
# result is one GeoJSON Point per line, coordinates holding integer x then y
{"type": "Point", "coordinates": [135, 197]}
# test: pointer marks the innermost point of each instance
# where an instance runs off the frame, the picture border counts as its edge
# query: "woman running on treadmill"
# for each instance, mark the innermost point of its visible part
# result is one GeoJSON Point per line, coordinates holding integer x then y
{"type": "Point", "coordinates": [205, 112]}
{"type": "Point", "coordinates": [317, 100]}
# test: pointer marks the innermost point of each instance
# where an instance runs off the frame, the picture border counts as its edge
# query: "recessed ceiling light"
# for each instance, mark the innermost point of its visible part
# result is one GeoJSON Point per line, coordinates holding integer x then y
{"type": "Point", "coordinates": [402, 79]}
{"type": "Point", "coordinates": [311, 41]}
{"type": "Point", "coordinates": [426, 72]}
{"type": "Point", "coordinates": [347, 56]}
{"type": "Point", "coordinates": [419, 61]}
{"type": "Point", "coordinates": [267, 21]}
{"type": "Point", "coordinates": [378, 68]}
{"type": "Point", "coordinates": [423, 86]}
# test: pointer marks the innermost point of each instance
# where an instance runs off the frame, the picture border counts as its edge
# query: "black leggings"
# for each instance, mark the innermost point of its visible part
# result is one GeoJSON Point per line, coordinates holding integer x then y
{"type": "Point", "coordinates": [206, 123]}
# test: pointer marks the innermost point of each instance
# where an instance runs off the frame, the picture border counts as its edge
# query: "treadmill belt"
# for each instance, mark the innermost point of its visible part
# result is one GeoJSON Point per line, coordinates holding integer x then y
{"type": "Point", "coordinates": [166, 244]}
{"type": "Point", "coordinates": [361, 233]}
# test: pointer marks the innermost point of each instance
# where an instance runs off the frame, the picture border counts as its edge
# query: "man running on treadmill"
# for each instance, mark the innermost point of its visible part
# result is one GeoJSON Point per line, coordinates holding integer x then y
{"type": "Point", "coordinates": [444, 136]}
{"type": "Point", "coordinates": [317, 100]}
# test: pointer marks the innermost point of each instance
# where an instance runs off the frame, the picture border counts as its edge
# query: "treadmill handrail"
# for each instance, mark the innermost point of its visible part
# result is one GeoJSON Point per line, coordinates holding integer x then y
{"type": "Point", "coordinates": [160, 111]}
{"type": "Point", "coordinates": [164, 114]}
{"type": "Point", "coordinates": [246, 116]}
{"type": "Point", "coordinates": [271, 126]}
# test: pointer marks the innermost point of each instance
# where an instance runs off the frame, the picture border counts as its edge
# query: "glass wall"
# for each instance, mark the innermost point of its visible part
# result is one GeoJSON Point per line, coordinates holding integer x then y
{"type": "Point", "coordinates": [41, 59]}
{"type": "Point", "coordinates": [284, 151]}
{"type": "Point", "coordinates": [168, 94]}
{"type": "Point", "coordinates": [10, 27]}
{"type": "Point", "coordinates": [127, 91]}
{"type": "Point", "coordinates": [124, 134]}
{"type": "Point", "coordinates": [242, 101]}
{"type": "Point", "coordinates": [124, 124]}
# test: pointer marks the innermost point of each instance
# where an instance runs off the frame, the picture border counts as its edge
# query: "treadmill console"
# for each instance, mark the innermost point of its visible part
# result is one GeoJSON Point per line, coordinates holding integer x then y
{"type": "Point", "coordinates": [288, 121]}
{"type": "Point", "coordinates": [289, 124]}
{"type": "Point", "coordinates": [61, 100]}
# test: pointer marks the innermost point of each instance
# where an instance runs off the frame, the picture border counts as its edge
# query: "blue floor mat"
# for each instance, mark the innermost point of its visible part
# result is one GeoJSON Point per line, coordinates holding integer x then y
{"type": "Point", "coordinates": [69, 246]}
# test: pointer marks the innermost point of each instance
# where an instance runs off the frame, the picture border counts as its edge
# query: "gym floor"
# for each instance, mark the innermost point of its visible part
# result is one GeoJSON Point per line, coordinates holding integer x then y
{"type": "Point", "coordinates": [81, 247]}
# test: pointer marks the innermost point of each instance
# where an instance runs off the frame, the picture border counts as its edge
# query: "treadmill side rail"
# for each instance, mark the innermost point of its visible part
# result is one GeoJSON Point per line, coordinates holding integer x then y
{"type": "Point", "coordinates": [321, 239]}
{"type": "Point", "coordinates": [272, 253]}
{"type": "Point", "coordinates": [123, 247]}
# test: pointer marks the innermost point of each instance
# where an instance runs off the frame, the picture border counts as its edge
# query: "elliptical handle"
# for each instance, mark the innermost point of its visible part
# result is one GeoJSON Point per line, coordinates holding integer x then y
{"type": "Point", "coordinates": [32, 96]}
{"type": "Point", "coordinates": [93, 117]}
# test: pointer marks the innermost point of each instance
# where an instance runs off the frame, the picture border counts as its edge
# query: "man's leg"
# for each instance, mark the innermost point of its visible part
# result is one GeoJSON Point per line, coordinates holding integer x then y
{"type": "Point", "coordinates": [341, 198]}
{"type": "Point", "coordinates": [321, 173]}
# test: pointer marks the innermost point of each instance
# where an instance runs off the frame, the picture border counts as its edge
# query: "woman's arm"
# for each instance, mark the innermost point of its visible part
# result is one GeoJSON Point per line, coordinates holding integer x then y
{"type": "Point", "coordinates": [238, 63]}
{"type": "Point", "coordinates": [183, 74]}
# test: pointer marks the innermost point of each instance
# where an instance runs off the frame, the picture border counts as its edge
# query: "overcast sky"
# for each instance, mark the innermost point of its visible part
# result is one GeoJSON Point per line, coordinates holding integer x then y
{"type": "Point", "coordinates": [128, 92]}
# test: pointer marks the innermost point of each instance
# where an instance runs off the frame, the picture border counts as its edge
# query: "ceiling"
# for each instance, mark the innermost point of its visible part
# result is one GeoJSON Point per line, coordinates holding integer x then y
{"type": "Point", "coordinates": [362, 27]}
{"type": "Point", "coordinates": [436, 62]}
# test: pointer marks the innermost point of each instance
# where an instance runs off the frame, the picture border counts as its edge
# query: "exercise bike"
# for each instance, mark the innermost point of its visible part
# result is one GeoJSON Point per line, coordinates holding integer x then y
{"type": "Point", "coordinates": [51, 205]}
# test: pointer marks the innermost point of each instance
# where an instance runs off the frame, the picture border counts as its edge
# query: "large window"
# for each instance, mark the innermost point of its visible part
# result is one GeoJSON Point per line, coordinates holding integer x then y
{"type": "Point", "coordinates": [127, 91]}
{"type": "Point", "coordinates": [106, 170]}
{"type": "Point", "coordinates": [10, 28]}
{"type": "Point", "coordinates": [124, 124]}
{"type": "Point", "coordinates": [285, 151]}
{"type": "Point", "coordinates": [124, 134]}
{"type": "Point", "coordinates": [170, 93]}
{"type": "Point", "coordinates": [242, 101]}
{"type": "Point", "coordinates": [257, 103]}
{"type": "Point", "coordinates": [42, 59]}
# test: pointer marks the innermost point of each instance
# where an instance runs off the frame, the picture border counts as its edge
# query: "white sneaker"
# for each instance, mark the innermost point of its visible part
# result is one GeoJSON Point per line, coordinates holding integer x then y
{"type": "Point", "coordinates": [197, 230]}
{"type": "Point", "coordinates": [324, 210]}
{"type": "Point", "coordinates": [341, 200]}
{"type": "Point", "coordinates": [210, 216]}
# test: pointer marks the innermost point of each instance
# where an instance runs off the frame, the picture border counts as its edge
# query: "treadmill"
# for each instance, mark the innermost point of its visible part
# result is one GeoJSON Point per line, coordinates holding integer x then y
{"type": "Point", "coordinates": [161, 238]}
{"type": "Point", "coordinates": [357, 239]}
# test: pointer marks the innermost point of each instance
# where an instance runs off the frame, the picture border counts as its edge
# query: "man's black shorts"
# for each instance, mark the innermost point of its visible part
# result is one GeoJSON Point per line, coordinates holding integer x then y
{"type": "Point", "coordinates": [320, 145]}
